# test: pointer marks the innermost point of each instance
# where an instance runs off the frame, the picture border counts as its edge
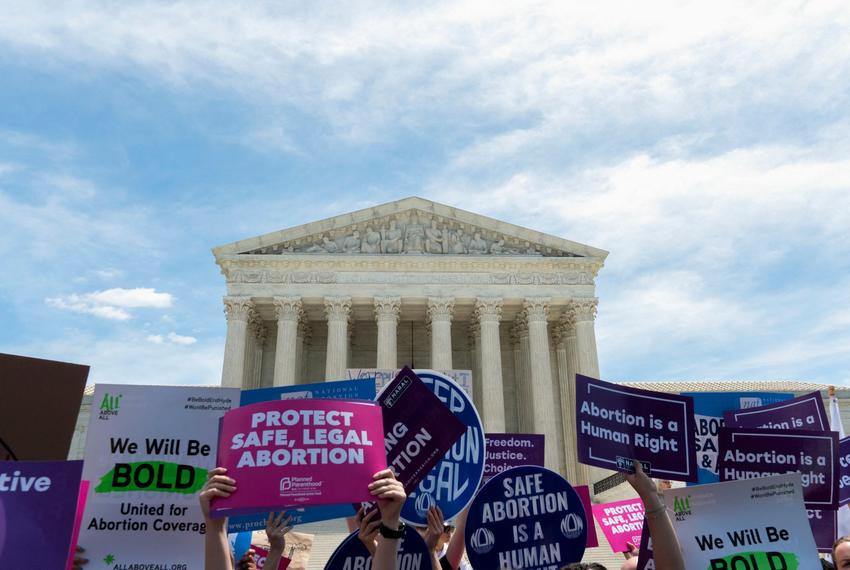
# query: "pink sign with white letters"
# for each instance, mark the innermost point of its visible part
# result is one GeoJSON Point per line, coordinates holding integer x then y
{"type": "Point", "coordinates": [292, 453]}
{"type": "Point", "coordinates": [621, 521]}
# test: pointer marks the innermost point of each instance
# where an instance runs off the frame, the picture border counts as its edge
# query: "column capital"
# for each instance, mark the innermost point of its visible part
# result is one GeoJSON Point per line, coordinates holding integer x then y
{"type": "Point", "coordinates": [257, 327]}
{"type": "Point", "coordinates": [387, 308]}
{"type": "Point", "coordinates": [536, 309]}
{"type": "Point", "coordinates": [337, 308]}
{"type": "Point", "coordinates": [488, 309]}
{"type": "Point", "coordinates": [585, 309]}
{"type": "Point", "coordinates": [238, 308]}
{"type": "Point", "coordinates": [440, 308]}
{"type": "Point", "coordinates": [288, 308]}
{"type": "Point", "coordinates": [474, 331]}
{"type": "Point", "coordinates": [519, 330]}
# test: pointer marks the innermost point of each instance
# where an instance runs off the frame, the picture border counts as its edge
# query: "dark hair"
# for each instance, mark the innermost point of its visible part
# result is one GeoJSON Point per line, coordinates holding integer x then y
{"type": "Point", "coordinates": [583, 566]}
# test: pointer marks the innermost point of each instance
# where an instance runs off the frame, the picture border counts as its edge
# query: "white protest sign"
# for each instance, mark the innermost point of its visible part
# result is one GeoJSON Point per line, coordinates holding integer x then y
{"type": "Point", "coordinates": [751, 524]}
{"type": "Point", "coordinates": [148, 450]}
{"type": "Point", "coordinates": [462, 378]}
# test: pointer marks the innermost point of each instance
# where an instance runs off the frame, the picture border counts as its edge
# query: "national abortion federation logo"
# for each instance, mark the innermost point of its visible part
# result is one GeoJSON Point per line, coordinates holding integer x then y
{"type": "Point", "coordinates": [482, 541]}
{"type": "Point", "coordinates": [424, 502]}
{"type": "Point", "coordinates": [572, 525]}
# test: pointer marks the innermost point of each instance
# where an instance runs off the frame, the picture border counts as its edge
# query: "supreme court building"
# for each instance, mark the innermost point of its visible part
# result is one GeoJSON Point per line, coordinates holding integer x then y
{"type": "Point", "coordinates": [427, 285]}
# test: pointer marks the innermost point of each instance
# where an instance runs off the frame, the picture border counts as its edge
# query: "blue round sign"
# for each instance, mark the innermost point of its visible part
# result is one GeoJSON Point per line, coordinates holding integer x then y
{"type": "Point", "coordinates": [526, 517]}
{"type": "Point", "coordinates": [351, 554]}
{"type": "Point", "coordinates": [452, 483]}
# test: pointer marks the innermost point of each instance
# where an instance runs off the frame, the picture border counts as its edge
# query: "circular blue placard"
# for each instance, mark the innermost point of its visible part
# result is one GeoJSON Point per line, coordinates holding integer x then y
{"type": "Point", "coordinates": [352, 554]}
{"type": "Point", "coordinates": [452, 483]}
{"type": "Point", "coordinates": [527, 517]}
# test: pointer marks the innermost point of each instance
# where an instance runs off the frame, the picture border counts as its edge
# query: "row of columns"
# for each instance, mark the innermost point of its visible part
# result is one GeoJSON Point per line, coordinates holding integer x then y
{"type": "Point", "coordinates": [537, 411]}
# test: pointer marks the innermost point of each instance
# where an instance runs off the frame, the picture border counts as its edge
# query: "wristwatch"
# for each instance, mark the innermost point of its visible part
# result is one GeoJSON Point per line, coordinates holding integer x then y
{"type": "Point", "coordinates": [388, 532]}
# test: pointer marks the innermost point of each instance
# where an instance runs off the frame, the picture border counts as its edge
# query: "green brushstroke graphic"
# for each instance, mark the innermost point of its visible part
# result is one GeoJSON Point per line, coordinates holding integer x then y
{"type": "Point", "coordinates": [770, 560]}
{"type": "Point", "coordinates": [168, 476]}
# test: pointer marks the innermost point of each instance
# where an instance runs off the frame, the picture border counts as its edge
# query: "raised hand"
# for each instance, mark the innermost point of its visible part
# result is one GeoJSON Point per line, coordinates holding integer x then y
{"type": "Point", "coordinates": [217, 485]}
{"type": "Point", "coordinates": [435, 527]}
{"type": "Point", "coordinates": [369, 524]}
{"type": "Point", "coordinates": [390, 494]}
{"type": "Point", "coordinates": [276, 529]}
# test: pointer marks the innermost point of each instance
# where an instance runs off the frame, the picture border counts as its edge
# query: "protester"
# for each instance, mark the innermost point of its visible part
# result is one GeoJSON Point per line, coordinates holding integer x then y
{"type": "Point", "coordinates": [665, 544]}
{"type": "Point", "coordinates": [368, 526]}
{"type": "Point", "coordinates": [841, 552]}
{"type": "Point", "coordinates": [276, 529]}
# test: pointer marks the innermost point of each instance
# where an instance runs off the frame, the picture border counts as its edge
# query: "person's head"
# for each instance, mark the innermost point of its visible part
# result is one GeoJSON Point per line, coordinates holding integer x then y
{"type": "Point", "coordinates": [583, 566]}
{"type": "Point", "coordinates": [841, 552]}
{"type": "Point", "coordinates": [448, 531]}
{"type": "Point", "coordinates": [663, 484]}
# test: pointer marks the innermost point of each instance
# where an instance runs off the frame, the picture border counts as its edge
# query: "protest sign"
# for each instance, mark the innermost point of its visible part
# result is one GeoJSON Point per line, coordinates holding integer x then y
{"type": "Point", "coordinates": [746, 453]}
{"type": "Point", "coordinates": [351, 554]}
{"type": "Point", "coordinates": [82, 496]}
{"type": "Point", "coordinates": [148, 450]}
{"type": "Point", "coordinates": [584, 494]}
{"type": "Point", "coordinates": [844, 467]}
{"type": "Point", "coordinates": [621, 522]}
{"type": "Point", "coordinates": [240, 542]}
{"type": "Point", "coordinates": [261, 555]}
{"type": "Point", "coordinates": [526, 517]}
{"type": "Point", "coordinates": [805, 412]}
{"type": "Point", "coordinates": [824, 525]}
{"type": "Point", "coordinates": [754, 524]}
{"type": "Point", "coordinates": [452, 483]}
{"type": "Point", "coordinates": [299, 453]}
{"type": "Point", "coordinates": [616, 425]}
{"type": "Point", "coordinates": [506, 450]}
{"type": "Point", "coordinates": [462, 378]}
{"type": "Point", "coordinates": [53, 388]}
{"type": "Point", "coordinates": [708, 419]}
{"type": "Point", "coordinates": [38, 503]}
{"type": "Point", "coordinates": [419, 428]}
{"type": "Point", "coordinates": [363, 389]}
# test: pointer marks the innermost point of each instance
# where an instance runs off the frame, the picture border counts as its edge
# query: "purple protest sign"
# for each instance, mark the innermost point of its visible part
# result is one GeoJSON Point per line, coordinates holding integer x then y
{"type": "Point", "coordinates": [645, 555]}
{"type": "Point", "coordinates": [806, 412]}
{"type": "Point", "coordinates": [616, 425]}
{"type": "Point", "coordinates": [38, 504]}
{"type": "Point", "coordinates": [584, 494]}
{"type": "Point", "coordinates": [746, 453]}
{"type": "Point", "coordinates": [506, 450]}
{"type": "Point", "coordinates": [621, 521]}
{"type": "Point", "coordinates": [844, 468]}
{"type": "Point", "coordinates": [824, 525]}
{"type": "Point", "coordinates": [299, 453]}
{"type": "Point", "coordinates": [419, 428]}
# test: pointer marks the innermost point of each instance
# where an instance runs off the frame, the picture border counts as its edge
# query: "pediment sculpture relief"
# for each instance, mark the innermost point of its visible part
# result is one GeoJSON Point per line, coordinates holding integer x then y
{"type": "Point", "coordinates": [414, 234]}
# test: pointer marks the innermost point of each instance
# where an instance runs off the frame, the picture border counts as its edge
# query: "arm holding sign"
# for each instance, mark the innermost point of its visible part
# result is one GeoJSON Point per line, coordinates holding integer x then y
{"type": "Point", "coordinates": [216, 546]}
{"type": "Point", "coordinates": [665, 543]}
{"type": "Point", "coordinates": [391, 496]}
{"type": "Point", "coordinates": [368, 533]}
{"type": "Point", "coordinates": [454, 553]}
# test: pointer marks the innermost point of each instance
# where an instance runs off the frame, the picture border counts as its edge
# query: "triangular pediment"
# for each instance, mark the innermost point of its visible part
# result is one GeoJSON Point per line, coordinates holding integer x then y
{"type": "Point", "coordinates": [411, 226]}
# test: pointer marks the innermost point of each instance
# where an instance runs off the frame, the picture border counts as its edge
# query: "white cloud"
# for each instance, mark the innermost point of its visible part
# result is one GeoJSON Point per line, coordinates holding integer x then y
{"type": "Point", "coordinates": [112, 303]}
{"type": "Point", "coordinates": [156, 338]}
{"type": "Point", "coordinates": [181, 340]}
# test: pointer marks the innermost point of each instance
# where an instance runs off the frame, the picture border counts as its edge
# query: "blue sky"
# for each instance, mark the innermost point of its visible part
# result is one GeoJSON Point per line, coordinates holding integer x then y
{"type": "Point", "coordinates": [705, 146]}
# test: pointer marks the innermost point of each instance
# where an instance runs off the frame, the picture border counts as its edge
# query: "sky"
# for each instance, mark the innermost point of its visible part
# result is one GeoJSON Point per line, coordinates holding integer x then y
{"type": "Point", "coordinates": [704, 145]}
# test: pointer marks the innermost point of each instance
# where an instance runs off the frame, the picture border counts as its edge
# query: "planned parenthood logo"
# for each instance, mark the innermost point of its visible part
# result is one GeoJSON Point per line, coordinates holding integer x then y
{"type": "Point", "coordinates": [572, 525]}
{"type": "Point", "coordinates": [482, 541]}
{"type": "Point", "coordinates": [424, 502]}
{"type": "Point", "coordinates": [285, 484]}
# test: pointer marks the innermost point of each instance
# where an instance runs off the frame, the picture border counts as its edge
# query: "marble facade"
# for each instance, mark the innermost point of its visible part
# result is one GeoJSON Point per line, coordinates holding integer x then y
{"type": "Point", "coordinates": [424, 284]}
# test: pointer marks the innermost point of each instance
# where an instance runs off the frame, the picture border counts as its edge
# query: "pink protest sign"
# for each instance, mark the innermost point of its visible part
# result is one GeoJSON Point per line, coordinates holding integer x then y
{"type": "Point", "coordinates": [294, 453]}
{"type": "Point", "coordinates": [78, 521]}
{"type": "Point", "coordinates": [261, 555]}
{"type": "Point", "coordinates": [621, 521]}
{"type": "Point", "coordinates": [584, 494]}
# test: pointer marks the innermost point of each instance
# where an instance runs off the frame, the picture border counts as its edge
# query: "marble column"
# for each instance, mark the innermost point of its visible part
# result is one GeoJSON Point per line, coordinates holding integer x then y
{"type": "Point", "coordinates": [387, 311]}
{"type": "Point", "coordinates": [473, 339]}
{"type": "Point", "coordinates": [288, 311]}
{"type": "Point", "coordinates": [565, 342]}
{"type": "Point", "coordinates": [254, 356]}
{"type": "Point", "coordinates": [488, 313]}
{"type": "Point", "coordinates": [238, 311]}
{"type": "Point", "coordinates": [588, 361]}
{"type": "Point", "coordinates": [440, 316]}
{"type": "Point", "coordinates": [545, 415]}
{"type": "Point", "coordinates": [337, 310]}
{"type": "Point", "coordinates": [302, 351]}
{"type": "Point", "coordinates": [524, 393]}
